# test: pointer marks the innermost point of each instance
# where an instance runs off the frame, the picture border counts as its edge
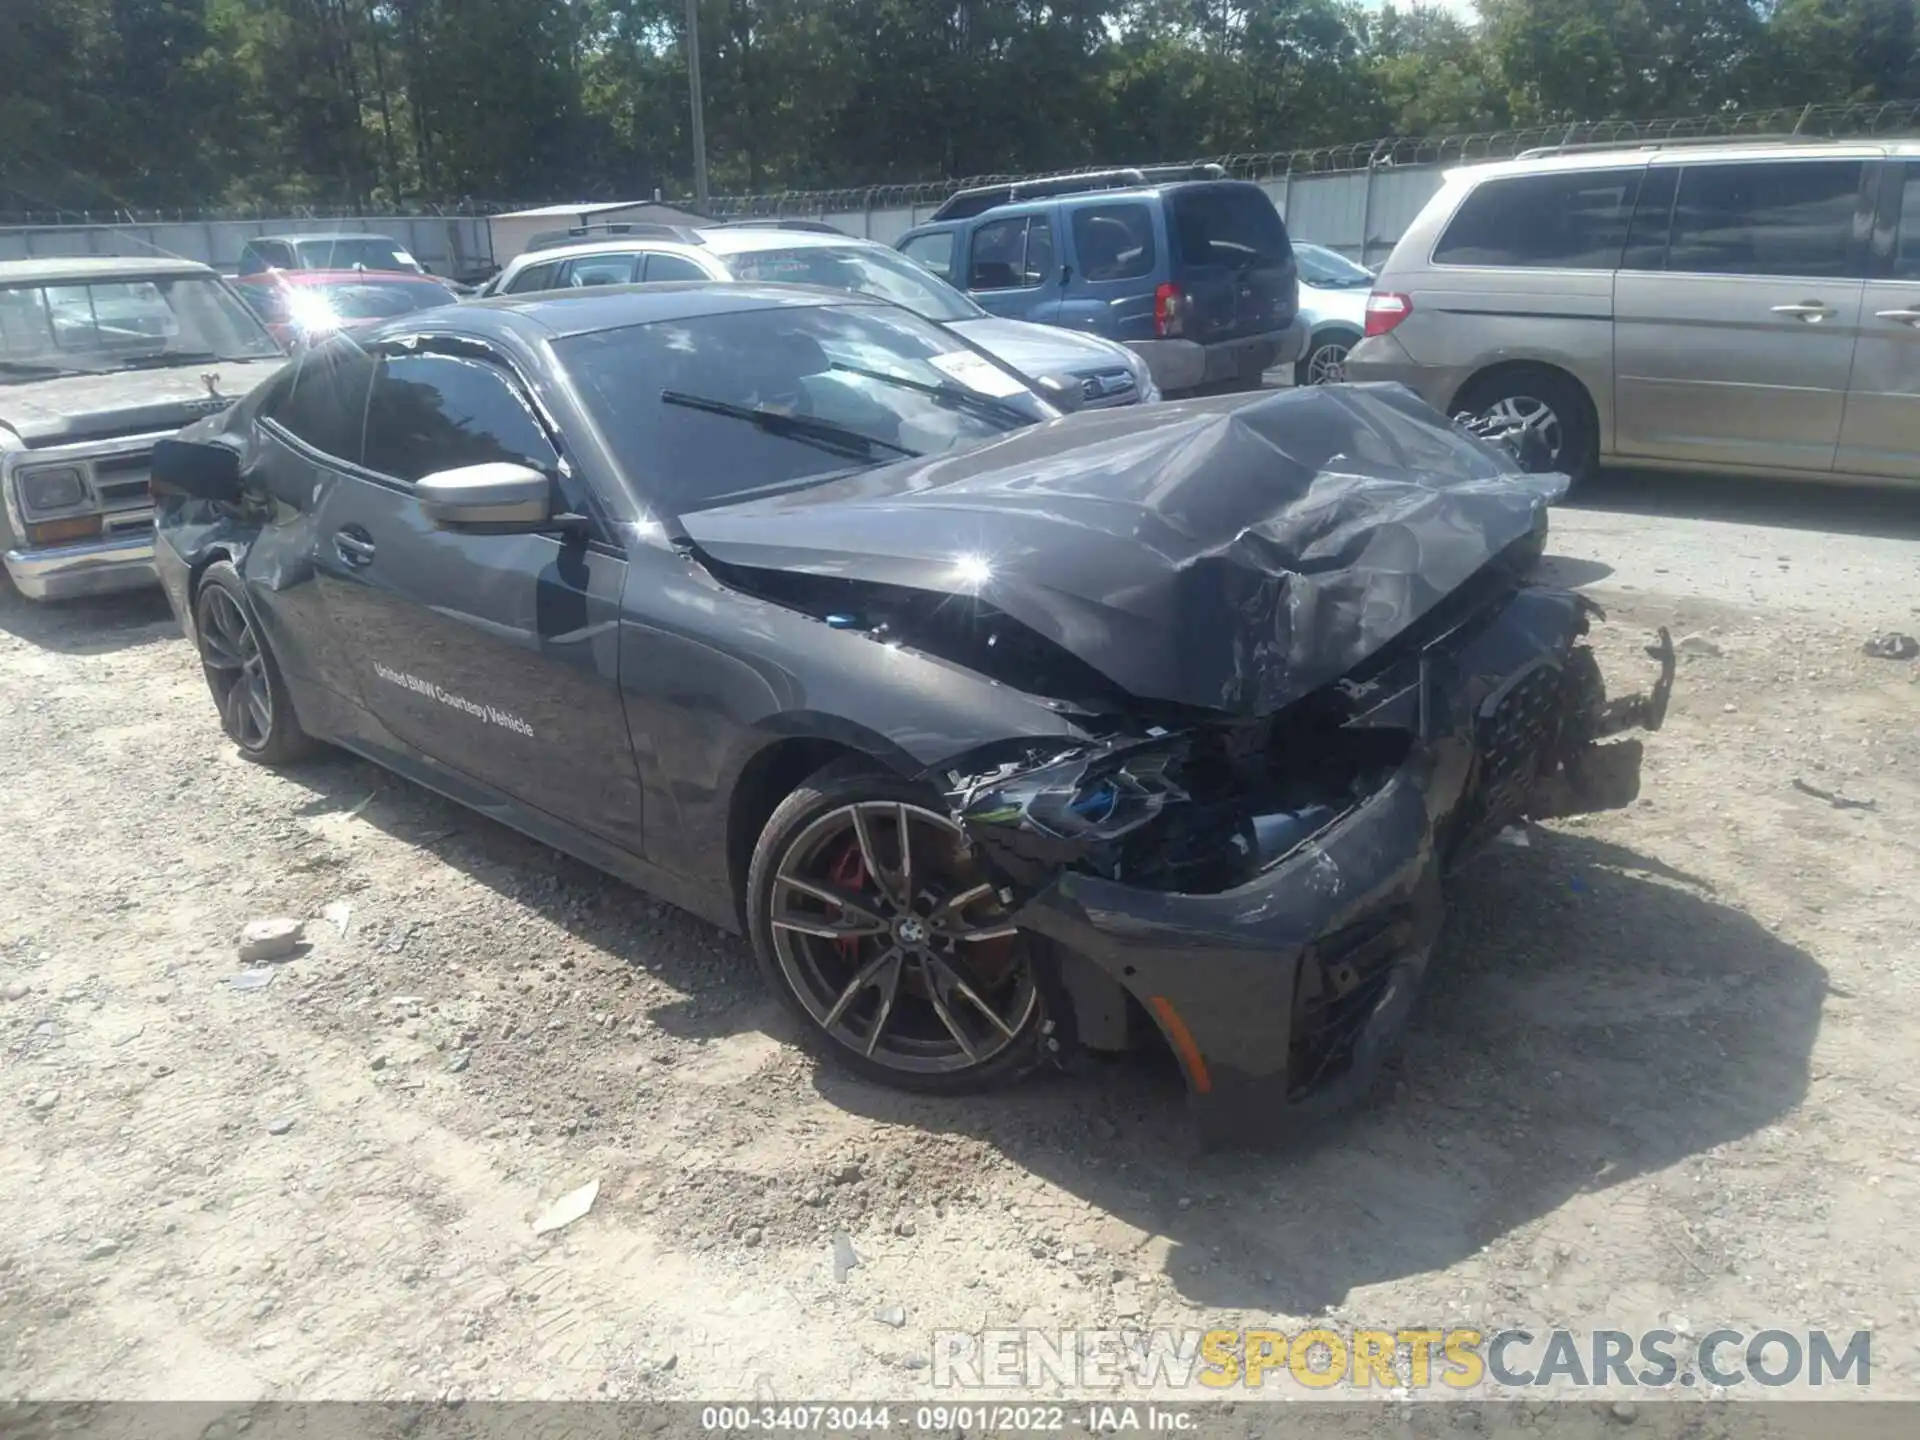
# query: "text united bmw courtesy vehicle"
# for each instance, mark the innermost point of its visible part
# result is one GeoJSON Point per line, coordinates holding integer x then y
{"type": "Point", "coordinates": [1001, 733]}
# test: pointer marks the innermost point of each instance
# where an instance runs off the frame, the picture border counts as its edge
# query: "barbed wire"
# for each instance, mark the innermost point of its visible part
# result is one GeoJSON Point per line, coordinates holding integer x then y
{"type": "Point", "coordinates": [1847, 118]}
{"type": "Point", "coordinates": [1834, 120]}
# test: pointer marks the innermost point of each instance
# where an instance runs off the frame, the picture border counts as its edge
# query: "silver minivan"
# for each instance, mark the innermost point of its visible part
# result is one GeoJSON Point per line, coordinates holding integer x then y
{"type": "Point", "coordinates": [1737, 306]}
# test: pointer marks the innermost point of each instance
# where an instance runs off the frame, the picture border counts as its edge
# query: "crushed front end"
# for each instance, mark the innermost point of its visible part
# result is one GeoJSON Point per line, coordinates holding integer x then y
{"type": "Point", "coordinates": [1268, 891]}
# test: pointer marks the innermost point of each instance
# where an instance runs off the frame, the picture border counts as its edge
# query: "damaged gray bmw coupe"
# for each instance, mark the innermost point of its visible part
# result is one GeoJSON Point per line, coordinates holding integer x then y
{"type": "Point", "coordinates": [1002, 734]}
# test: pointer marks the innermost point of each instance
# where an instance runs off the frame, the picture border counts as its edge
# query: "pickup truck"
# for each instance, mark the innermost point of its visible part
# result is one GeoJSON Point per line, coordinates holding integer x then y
{"type": "Point", "coordinates": [99, 359]}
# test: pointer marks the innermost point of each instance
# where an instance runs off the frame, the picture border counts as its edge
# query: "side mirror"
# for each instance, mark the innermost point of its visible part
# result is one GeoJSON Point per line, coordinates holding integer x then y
{"type": "Point", "coordinates": [199, 469]}
{"type": "Point", "coordinates": [497, 498]}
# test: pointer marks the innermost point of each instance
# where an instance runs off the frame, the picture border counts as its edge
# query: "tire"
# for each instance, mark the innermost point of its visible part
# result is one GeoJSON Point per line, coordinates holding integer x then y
{"type": "Point", "coordinates": [876, 989]}
{"type": "Point", "coordinates": [1568, 423]}
{"type": "Point", "coordinates": [249, 692]}
{"type": "Point", "coordinates": [1325, 361]}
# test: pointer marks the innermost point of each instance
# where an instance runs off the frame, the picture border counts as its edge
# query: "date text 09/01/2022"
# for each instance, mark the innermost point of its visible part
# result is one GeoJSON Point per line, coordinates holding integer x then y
{"type": "Point", "coordinates": [943, 1419]}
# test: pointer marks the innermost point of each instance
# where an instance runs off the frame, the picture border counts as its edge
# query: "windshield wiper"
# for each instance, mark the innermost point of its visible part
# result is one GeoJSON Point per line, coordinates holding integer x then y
{"type": "Point", "coordinates": [967, 399]}
{"type": "Point", "coordinates": [159, 359]}
{"type": "Point", "coordinates": [808, 429]}
{"type": "Point", "coordinates": [38, 369]}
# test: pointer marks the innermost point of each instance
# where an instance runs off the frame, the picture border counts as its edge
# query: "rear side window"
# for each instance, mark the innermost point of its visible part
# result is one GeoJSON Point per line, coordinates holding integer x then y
{"type": "Point", "coordinates": [934, 251]}
{"type": "Point", "coordinates": [1114, 242]}
{"type": "Point", "coordinates": [1231, 225]}
{"type": "Point", "coordinates": [1011, 254]}
{"type": "Point", "coordinates": [534, 277]}
{"type": "Point", "coordinates": [1793, 217]}
{"type": "Point", "coordinates": [1906, 252]}
{"type": "Point", "coordinates": [599, 270]}
{"type": "Point", "coordinates": [321, 400]}
{"type": "Point", "coordinates": [1567, 220]}
{"type": "Point", "coordinates": [439, 412]}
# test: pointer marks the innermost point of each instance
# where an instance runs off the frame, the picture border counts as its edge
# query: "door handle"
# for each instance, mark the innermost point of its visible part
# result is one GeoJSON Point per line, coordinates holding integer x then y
{"type": "Point", "coordinates": [1905, 317]}
{"type": "Point", "coordinates": [1812, 311]}
{"type": "Point", "coordinates": [353, 550]}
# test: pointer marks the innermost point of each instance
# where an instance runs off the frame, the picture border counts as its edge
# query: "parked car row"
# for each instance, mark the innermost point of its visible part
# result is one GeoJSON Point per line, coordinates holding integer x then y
{"type": "Point", "coordinates": [992, 727]}
{"type": "Point", "coordinates": [761, 566]}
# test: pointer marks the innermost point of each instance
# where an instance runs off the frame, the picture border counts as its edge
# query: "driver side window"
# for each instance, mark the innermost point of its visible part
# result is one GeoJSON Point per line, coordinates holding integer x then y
{"type": "Point", "coordinates": [438, 412]}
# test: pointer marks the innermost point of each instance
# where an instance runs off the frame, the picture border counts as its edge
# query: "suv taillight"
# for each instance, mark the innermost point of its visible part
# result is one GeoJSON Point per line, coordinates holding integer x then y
{"type": "Point", "coordinates": [1166, 310]}
{"type": "Point", "coordinates": [1385, 310]}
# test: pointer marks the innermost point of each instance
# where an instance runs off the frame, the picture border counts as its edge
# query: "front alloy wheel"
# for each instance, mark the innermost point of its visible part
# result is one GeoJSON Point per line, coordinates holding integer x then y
{"type": "Point", "coordinates": [879, 931]}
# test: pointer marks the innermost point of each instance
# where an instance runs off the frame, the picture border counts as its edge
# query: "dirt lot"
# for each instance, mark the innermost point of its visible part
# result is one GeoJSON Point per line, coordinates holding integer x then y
{"type": "Point", "coordinates": [1664, 1073]}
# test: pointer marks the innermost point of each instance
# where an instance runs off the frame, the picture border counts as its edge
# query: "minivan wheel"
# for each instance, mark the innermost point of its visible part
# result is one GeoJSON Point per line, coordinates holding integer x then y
{"type": "Point", "coordinates": [876, 929]}
{"type": "Point", "coordinates": [1551, 403]}
{"type": "Point", "coordinates": [255, 709]}
{"type": "Point", "coordinates": [1325, 362]}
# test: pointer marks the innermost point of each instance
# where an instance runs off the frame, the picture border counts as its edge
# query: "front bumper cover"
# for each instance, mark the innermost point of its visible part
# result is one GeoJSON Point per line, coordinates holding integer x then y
{"type": "Point", "coordinates": [98, 567]}
{"type": "Point", "coordinates": [1282, 994]}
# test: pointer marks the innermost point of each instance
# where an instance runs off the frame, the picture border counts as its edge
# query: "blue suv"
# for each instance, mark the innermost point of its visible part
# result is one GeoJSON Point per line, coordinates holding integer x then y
{"type": "Point", "coordinates": [1193, 271]}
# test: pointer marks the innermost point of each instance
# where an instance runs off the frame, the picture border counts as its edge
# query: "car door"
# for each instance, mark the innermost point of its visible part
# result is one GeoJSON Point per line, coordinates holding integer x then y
{"type": "Point", "coordinates": [494, 655]}
{"type": "Point", "coordinates": [1113, 249]}
{"type": "Point", "coordinates": [1881, 432]}
{"type": "Point", "coordinates": [1736, 311]}
{"type": "Point", "coordinates": [1011, 267]}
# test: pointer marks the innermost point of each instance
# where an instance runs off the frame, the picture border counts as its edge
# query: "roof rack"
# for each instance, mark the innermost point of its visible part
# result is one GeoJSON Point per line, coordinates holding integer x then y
{"type": "Point", "coordinates": [551, 239]}
{"type": "Point", "coordinates": [817, 227]}
{"type": "Point", "coordinates": [1675, 143]}
{"type": "Point", "coordinates": [964, 203]}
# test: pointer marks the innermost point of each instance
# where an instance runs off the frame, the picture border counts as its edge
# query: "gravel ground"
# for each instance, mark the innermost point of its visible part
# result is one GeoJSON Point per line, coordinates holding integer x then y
{"type": "Point", "coordinates": [1664, 1072]}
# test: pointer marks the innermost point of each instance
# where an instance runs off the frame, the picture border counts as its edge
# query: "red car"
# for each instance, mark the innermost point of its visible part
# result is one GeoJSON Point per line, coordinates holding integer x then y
{"type": "Point", "coordinates": [302, 306]}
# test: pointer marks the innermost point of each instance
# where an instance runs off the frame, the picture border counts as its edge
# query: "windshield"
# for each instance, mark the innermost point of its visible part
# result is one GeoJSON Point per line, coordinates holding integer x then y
{"type": "Point", "coordinates": [863, 271]}
{"type": "Point", "coordinates": [713, 409]}
{"type": "Point", "coordinates": [1329, 268]}
{"type": "Point", "coordinates": [98, 326]}
{"type": "Point", "coordinates": [372, 253]}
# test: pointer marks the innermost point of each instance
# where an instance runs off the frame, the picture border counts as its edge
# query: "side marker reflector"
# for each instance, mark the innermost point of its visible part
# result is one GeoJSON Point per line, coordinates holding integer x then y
{"type": "Point", "coordinates": [1190, 1057]}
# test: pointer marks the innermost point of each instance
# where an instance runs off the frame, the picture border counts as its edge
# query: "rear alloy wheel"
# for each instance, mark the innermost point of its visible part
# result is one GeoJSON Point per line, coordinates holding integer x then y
{"type": "Point", "coordinates": [1547, 402]}
{"type": "Point", "coordinates": [255, 709]}
{"type": "Point", "coordinates": [1325, 362]}
{"type": "Point", "coordinates": [875, 926]}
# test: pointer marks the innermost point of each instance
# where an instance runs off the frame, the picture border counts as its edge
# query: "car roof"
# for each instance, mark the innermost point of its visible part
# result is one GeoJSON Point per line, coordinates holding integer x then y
{"type": "Point", "coordinates": [746, 241]}
{"type": "Point", "coordinates": [1629, 153]}
{"type": "Point", "coordinates": [328, 235]}
{"type": "Point", "coordinates": [561, 314]}
{"type": "Point", "coordinates": [719, 241]}
{"type": "Point", "coordinates": [79, 269]}
{"type": "Point", "coordinates": [338, 277]}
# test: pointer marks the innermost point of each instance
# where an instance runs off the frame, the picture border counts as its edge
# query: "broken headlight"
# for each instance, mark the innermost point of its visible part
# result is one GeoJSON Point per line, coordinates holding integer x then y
{"type": "Point", "coordinates": [1197, 812]}
{"type": "Point", "coordinates": [1077, 798]}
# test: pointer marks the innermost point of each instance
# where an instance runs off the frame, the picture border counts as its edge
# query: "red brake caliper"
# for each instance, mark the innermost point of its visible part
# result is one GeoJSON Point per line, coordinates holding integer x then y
{"type": "Point", "coordinates": [849, 872]}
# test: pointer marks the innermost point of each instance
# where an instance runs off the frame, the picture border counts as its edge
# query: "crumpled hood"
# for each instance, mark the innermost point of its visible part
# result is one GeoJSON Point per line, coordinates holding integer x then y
{"type": "Point", "coordinates": [73, 408]}
{"type": "Point", "coordinates": [1232, 554]}
{"type": "Point", "coordinates": [1043, 349]}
